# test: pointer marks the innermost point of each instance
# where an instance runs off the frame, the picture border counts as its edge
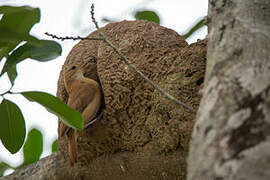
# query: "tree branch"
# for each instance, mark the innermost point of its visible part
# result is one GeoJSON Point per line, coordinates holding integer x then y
{"type": "Point", "coordinates": [120, 166]}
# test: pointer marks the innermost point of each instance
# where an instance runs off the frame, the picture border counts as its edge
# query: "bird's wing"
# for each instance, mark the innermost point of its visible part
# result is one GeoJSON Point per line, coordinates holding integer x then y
{"type": "Point", "coordinates": [81, 96]}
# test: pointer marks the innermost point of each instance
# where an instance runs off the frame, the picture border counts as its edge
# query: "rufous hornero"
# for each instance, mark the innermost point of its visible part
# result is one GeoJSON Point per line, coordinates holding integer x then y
{"type": "Point", "coordinates": [84, 95]}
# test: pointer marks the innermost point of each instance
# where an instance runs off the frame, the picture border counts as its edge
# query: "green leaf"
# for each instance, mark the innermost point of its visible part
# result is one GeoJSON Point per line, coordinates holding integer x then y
{"type": "Point", "coordinates": [17, 56]}
{"type": "Point", "coordinates": [196, 27]}
{"type": "Point", "coordinates": [21, 18]}
{"type": "Point", "coordinates": [12, 129]}
{"type": "Point", "coordinates": [16, 21]}
{"type": "Point", "coordinates": [67, 115]}
{"type": "Point", "coordinates": [12, 74]}
{"type": "Point", "coordinates": [3, 167]}
{"type": "Point", "coordinates": [11, 36]}
{"type": "Point", "coordinates": [54, 146]}
{"type": "Point", "coordinates": [33, 147]}
{"type": "Point", "coordinates": [46, 50]}
{"type": "Point", "coordinates": [147, 15]}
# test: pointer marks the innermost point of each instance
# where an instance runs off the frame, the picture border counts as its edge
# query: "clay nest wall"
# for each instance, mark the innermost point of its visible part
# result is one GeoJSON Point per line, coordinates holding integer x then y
{"type": "Point", "coordinates": [149, 133]}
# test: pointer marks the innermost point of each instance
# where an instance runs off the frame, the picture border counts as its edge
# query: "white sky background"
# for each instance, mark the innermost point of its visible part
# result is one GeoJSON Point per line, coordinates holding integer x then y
{"type": "Point", "coordinates": [72, 18]}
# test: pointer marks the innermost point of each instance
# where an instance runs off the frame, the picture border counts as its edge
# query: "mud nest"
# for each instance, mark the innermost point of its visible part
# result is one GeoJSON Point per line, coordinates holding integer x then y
{"type": "Point", "coordinates": [137, 118]}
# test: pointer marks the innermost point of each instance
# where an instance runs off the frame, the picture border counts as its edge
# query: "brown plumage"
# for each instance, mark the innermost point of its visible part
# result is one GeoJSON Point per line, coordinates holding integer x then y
{"type": "Point", "coordinates": [84, 96]}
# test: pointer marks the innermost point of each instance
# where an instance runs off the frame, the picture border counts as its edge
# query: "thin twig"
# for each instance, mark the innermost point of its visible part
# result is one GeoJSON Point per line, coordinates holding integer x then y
{"type": "Point", "coordinates": [163, 92]}
{"type": "Point", "coordinates": [7, 92]}
{"type": "Point", "coordinates": [72, 38]}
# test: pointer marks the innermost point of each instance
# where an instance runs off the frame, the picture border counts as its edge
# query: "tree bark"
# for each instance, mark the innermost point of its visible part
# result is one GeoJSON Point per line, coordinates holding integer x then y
{"type": "Point", "coordinates": [231, 137]}
{"type": "Point", "coordinates": [119, 166]}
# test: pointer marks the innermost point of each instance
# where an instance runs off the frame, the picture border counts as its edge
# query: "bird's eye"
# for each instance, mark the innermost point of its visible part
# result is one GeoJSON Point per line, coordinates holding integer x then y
{"type": "Point", "coordinates": [73, 67]}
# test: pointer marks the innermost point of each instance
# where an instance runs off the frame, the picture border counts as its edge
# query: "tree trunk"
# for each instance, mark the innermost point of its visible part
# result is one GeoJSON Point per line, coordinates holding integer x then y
{"type": "Point", "coordinates": [231, 138]}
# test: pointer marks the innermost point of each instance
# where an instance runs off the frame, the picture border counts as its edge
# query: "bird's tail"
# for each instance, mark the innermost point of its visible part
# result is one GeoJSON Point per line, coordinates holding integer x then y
{"type": "Point", "coordinates": [72, 147]}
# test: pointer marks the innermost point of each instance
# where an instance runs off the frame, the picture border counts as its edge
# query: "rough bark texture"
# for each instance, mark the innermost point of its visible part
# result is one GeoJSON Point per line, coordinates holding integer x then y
{"type": "Point", "coordinates": [141, 135]}
{"type": "Point", "coordinates": [231, 138]}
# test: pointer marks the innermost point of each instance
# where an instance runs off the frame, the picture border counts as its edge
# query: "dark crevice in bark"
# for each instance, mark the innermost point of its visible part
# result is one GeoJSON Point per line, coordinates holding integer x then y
{"type": "Point", "coordinates": [254, 130]}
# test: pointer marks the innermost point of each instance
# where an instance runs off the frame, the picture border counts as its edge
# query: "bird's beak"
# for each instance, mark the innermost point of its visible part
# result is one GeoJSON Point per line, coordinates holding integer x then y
{"type": "Point", "coordinates": [80, 73]}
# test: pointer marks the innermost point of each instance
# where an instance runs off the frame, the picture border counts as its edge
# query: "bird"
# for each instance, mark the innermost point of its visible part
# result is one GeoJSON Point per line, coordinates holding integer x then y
{"type": "Point", "coordinates": [85, 96]}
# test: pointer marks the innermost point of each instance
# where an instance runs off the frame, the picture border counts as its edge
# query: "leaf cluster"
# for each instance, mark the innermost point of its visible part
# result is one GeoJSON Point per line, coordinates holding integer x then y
{"type": "Point", "coordinates": [32, 150]}
{"type": "Point", "coordinates": [16, 45]}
